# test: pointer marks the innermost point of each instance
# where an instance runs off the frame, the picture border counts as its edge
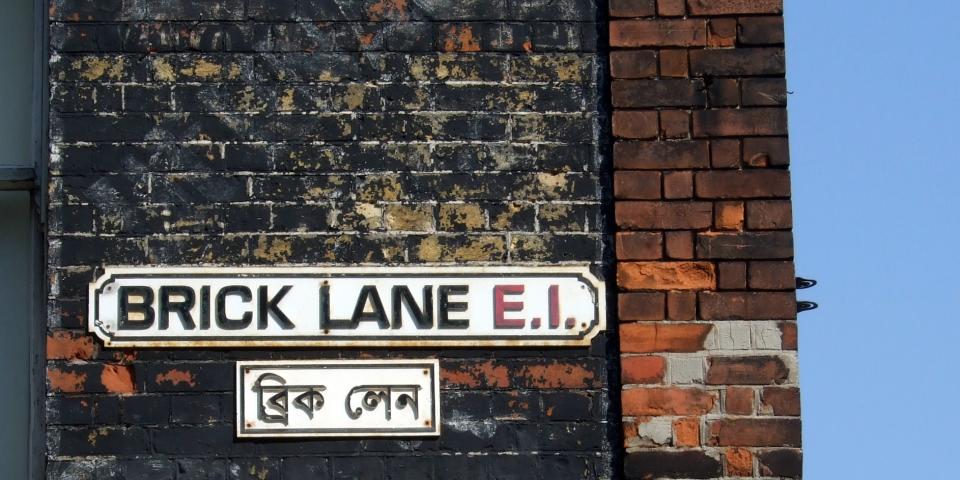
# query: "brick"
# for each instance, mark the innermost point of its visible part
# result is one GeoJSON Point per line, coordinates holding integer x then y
{"type": "Point", "coordinates": [677, 185]}
{"type": "Point", "coordinates": [666, 275]}
{"type": "Point", "coordinates": [733, 7]}
{"type": "Point", "coordinates": [788, 335]}
{"type": "Point", "coordinates": [664, 215]}
{"type": "Point", "coordinates": [781, 401]}
{"type": "Point", "coordinates": [686, 432]}
{"type": "Point", "coordinates": [743, 122]}
{"type": "Point", "coordinates": [667, 401]}
{"type": "Point", "coordinates": [761, 152]}
{"type": "Point", "coordinates": [679, 245]}
{"type": "Point", "coordinates": [725, 153]}
{"type": "Point", "coordinates": [732, 275]}
{"type": "Point", "coordinates": [764, 92]}
{"type": "Point", "coordinates": [746, 371]}
{"type": "Point", "coordinates": [674, 124]}
{"type": "Point", "coordinates": [666, 92]}
{"type": "Point", "coordinates": [760, 30]}
{"type": "Point", "coordinates": [769, 215]}
{"type": "Point", "coordinates": [671, 464]}
{"type": "Point", "coordinates": [671, 8]}
{"type": "Point", "coordinates": [67, 345]}
{"type": "Point", "coordinates": [747, 305]}
{"type": "Point", "coordinates": [739, 462]}
{"type": "Point", "coordinates": [641, 306]}
{"type": "Point", "coordinates": [722, 32]}
{"type": "Point", "coordinates": [728, 215]}
{"type": "Point", "coordinates": [724, 92]}
{"type": "Point", "coordinates": [738, 401]}
{"type": "Point", "coordinates": [661, 155]}
{"type": "Point", "coordinates": [635, 124]}
{"type": "Point", "coordinates": [745, 245]}
{"type": "Point", "coordinates": [743, 184]}
{"type": "Point", "coordinates": [755, 432]}
{"type": "Point", "coordinates": [674, 63]}
{"type": "Point", "coordinates": [663, 337]}
{"type": "Point", "coordinates": [781, 463]}
{"type": "Point", "coordinates": [737, 62]}
{"type": "Point", "coordinates": [681, 306]}
{"type": "Point", "coordinates": [642, 370]}
{"type": "Point", "coordinates": [772, 276]}
{"type": "Point", "coordinates": [658, 33]}
{"type": "Point", "coordinates": [636, 185]}
{"type": "Point", "coordinates": [639, 246]}
{"type": "Point", "coordinates": [632, 8]}
{"type": "Point", "coordinates": [633, 64]}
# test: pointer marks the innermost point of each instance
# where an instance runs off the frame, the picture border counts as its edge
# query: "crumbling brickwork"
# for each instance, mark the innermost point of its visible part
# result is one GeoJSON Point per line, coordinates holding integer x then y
{"type": "Point", "coordinates": [321, 132]}
{"type": "Point", "coordinates": [704, 248]}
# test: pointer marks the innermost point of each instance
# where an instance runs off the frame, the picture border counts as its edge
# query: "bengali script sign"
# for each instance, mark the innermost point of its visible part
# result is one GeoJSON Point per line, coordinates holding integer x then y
{"type": "Point", "coordinates": [338, 398]}
{"type": "Point", "coordinates": [340, 306]}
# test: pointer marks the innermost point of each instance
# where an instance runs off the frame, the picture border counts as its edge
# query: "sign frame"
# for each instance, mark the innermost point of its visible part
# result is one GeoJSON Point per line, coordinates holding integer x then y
{"type": "Point", "coordinates": [432, 425]}
{"type": "Point", "coordinates": [580, 272]}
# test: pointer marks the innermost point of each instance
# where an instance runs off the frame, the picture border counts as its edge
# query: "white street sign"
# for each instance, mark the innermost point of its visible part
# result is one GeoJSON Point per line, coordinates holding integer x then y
{"type": "Point", "coordinates": [338, 398]}
{"type": "Point", "coordinates": [340, 306]}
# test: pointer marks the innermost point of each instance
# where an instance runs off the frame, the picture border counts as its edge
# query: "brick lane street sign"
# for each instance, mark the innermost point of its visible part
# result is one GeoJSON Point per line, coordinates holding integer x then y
{"type": "Point", "coordinates": [338, 398]}
{"type": "Point", "coordinates": [512, 306]}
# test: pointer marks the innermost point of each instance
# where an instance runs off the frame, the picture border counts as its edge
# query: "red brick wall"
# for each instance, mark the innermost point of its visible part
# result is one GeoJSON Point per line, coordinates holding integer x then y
{"type": "Point", "coordinates": [704, 249]}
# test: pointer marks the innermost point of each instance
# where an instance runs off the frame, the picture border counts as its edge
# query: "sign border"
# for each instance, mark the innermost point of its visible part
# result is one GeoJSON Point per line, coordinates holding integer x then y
{"type": "Point", "coordinates": [581, 271]}
{"type": "Point", "coordinates": [432, 364]}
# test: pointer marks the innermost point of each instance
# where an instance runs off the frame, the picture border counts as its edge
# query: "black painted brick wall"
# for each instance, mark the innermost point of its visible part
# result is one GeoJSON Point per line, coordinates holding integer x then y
{"type": "Point", "coordinates": [314, 132]}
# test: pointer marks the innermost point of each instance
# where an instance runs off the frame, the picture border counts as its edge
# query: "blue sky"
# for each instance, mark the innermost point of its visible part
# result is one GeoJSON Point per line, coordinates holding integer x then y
{"type": "Point", "coordinates": [877, 221]}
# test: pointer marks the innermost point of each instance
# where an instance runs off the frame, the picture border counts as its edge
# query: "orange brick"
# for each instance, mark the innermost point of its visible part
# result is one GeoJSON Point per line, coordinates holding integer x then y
{"type": "Point", "coordinates": [739, 462]}
{"type": "Point", "coordinates": [686, 432]}
{"type": "Point", "coordinates": [722, 32]}
{"type": "Point", "coordinates": [728, 215]}
{"type": "Point", "coordinates": [667, 401]}
{"type": "Point", "coordinates": [663, 337]}
{"type": "Point", "coordinates": [66, 345]}
{"type": "Point", "coordinates": [666, 275]}
{"type": "Point", "coordinates": [641, 370]}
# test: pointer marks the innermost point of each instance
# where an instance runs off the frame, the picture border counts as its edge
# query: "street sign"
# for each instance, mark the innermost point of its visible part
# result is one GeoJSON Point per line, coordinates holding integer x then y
{"type": "Point", "coordinates": [338, 398]}
{"type": "Point", "coordinates": [342, 306]}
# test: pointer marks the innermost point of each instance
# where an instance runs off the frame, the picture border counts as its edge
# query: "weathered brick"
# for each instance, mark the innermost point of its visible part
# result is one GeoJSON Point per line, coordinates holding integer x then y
{"type": "Point", "coordinates": [747, 305]}
{"type": "Point", "coordinates": [769, 215]}
{"type": "Point", "coordinates": [772, 276]}
{"type": "Point", "coordinates": [674, 124]}
{"type": "Point", "coordinates": [737, 61]}
{"type": "Point", "coordinates": [637, 185]}
{"type": "Point", "coordinates": [746, 371]}
{"type": "Point", "coordinates": [781, 463]}
{"type": "Point", "coordinates": [729, 7]}
{"type": "Point", "coordinates": [635, 124]}
{"type": "Point", "coordinates": [760, 30]}
{"type": "Point", "coordinates": [732, 123]}
{"type": "Point", "coordinates": [658, 337]}
{"type": "Point", "coordinates": [762, 152]}
{"type": "Point", "coordinates": [658, 33]}
{"type": "Point", "coordinates": [661, 155]}
{"type": "Point", "coordinates": [642, 369]}
{"type": "Point", "coordinates": [664, 215]}
{"type": "Point", "coordinates": [743, 184]}
{"type": "Point", "coordinates": [666, 275]}
{"type": "Point", "coordinates": [755, 432]}
{"type": "Point", "coordinates": [633, 64]}
{"type": "Point", "coordinates": [781, 401]}
{"type": "Point", "coordinates": [738, 401]}
{"type": "Point", "coordinates": [632, 8]}
{"type": "Point", "coordinates": [739, 462]}
{"type": "Point", "coordinates": [639, 245]}
{"type": "Point", "coordinates": [676, 92]}
{"type": "Point", "coordinates": [746, 245]}
{"type": "Point", "coordinates": [732, 275]}
{"type": "Point", "coordinates": [639, 306]}
{"type": "Point", "coordinates": [679, 245]}
{"type": "Point", "coordinates": [667, 401]}
{"type": "Point", "coordinates": [671, 464]}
